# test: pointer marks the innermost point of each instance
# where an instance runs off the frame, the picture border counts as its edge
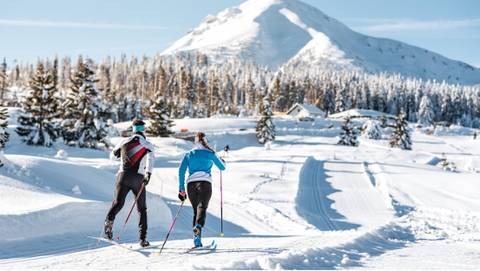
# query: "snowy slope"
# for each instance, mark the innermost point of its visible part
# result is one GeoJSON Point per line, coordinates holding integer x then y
{"type": "Point", "coordinates": [274, 32]}
{"type": "Point", "coordinates": [306, 203]}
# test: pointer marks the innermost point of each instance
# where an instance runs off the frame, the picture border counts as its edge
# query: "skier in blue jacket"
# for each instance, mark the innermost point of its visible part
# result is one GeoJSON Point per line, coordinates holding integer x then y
{"type": "Point", "coordinates": [199, 162]}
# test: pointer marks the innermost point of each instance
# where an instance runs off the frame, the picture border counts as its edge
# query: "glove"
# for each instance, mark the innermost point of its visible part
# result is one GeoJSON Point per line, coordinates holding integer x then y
{"type": "Point", "coordinates": [146, 178]}
{"type": "Point", "coordinates": [182, 195]}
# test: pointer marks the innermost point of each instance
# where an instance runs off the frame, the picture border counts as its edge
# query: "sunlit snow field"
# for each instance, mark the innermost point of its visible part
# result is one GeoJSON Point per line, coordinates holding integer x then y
{"type": "Point", "coordinates": [302, 203]}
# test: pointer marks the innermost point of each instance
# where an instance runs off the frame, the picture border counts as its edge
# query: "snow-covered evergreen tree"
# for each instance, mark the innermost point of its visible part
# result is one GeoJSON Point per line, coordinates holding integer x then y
{"type": "Point", "coordinates": [202, 98]}
{"type": "Point", "coordinates": [4, 135]}
{"type": "Point", "coordinates": [401, 133]}
{"type": "Point", "coordinates": [342, 99]}
{"type": "Point", "coordinates": [425, 112]}
{"type": "Point", "coordinates": [278, 95]}
{"type": "Point", "coordinates": [37, 121]}
{"type": "Point", "coordinates": [328, 99]}
{"type": "Point", "coordinates": [82, 124]}
{"type": "Point", "coordinates": [160, 121]}
{"type": "Point", "coordinates": [127, 86]}
{"type": "Point", "coordinates": [349, 134]}
{"type": "Point", "coordinates": [371, 129]}
{"type": "Point", "coordinates": [3, 81]}
{"type": "Point", "coordinates": [265, 128]}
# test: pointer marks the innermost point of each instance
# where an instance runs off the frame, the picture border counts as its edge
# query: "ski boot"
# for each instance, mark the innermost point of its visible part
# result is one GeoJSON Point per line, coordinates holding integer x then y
{"type": "Point", "coordinates": [197, 235]}
{"type": "Point", "coordinates": [143, 242]}
{"type": "Point", "coordinates": [108, 228]}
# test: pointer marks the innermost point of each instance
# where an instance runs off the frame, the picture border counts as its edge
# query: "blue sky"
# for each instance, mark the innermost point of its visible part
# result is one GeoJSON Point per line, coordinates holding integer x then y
{"type": "Point", "coordinates": [31, 29]}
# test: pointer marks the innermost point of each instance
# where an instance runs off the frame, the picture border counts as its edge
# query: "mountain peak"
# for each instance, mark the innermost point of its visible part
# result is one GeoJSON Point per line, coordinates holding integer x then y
{"type": "Point", "coordinates": [276, 32]}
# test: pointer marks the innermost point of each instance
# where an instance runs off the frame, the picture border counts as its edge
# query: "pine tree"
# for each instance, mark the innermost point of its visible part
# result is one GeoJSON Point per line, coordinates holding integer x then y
{"type": "Point", "coordinates": [278, 95]}
{"type": "Point", "coordinates": [342, 99]}
{"type": "Point", "coordinates": [249, 95]}
{"type": "Point", "coordinates": [160, 121]}
{"type": "Point", "coordinates": [291, 94]}
{"type": "Point", "coordinates": [371, 129]}
{"type": "Point", "coordinates": [265, 128]}
{"type": "Point", "coordinates": [456, 111]}
{"type": "Point", "coordinates": [349, 134]}
{"type": "Point", "coordinates": [425, 111]}
{"type": "Point", "coordinates": [215, 105]}
{"type": "Point", "coordinates": [202, 98]}
{"type": "Point", "coordinates": [4, 135]}
{"type": "Point", "coordinates": [82, 125]}
{"type": "Point", "coordinates": [329, 99]}
{"type": "Point", "coordinates": [39, 111]}
{"type": "Point", "coordinates": [401, 134]}
{"type": "Point", "coordinates": [3, 81]}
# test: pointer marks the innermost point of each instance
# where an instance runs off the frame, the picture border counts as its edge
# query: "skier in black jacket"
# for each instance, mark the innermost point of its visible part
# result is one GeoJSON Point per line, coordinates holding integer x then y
{"type": "Point", "coordinates": [138, 158]}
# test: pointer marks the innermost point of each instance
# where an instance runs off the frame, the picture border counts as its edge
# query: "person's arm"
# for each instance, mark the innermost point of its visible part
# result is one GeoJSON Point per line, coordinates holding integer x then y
{"type": "Point", "coordinates": [150, 160]}
{"type": "Point", "coordinates": [219, 162]}
{"type": "Point", "coordinates": [115, 154]}
{"type": "Point", "coordinates": [181, 173]}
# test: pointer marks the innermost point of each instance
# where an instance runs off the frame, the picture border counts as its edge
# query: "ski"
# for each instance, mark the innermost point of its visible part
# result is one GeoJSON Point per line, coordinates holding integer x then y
{"type": "Point", "coordinates": [212, 246]}
{"type": "Point", "coordinates": [111, 242]}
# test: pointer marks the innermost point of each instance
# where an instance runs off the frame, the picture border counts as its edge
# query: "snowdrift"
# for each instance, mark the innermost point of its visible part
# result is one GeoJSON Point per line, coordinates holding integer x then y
{"type": "Point", "coordinates": [44, 196]}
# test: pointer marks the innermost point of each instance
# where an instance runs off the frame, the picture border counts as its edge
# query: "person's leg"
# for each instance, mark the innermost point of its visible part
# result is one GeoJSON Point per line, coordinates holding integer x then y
{"type": "Point", "coordinates": [204, 193]}
{"type": "Point", "coordinates": [121, 191]}
{"type": "Point", "coordinates": [135, 181]}
{"type": "Point", "coordinates": [192, 196]}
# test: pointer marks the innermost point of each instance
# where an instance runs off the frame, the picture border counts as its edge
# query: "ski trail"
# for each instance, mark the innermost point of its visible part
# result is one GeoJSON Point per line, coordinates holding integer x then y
{"type": "Point", "coordinates": [313, 198]}
{"type": "Point", "coordinates": [281, 176]}
{"type": "Point", "coordinates": [340, 195]}
{"type": "Point", "coordinates": [360, 202]}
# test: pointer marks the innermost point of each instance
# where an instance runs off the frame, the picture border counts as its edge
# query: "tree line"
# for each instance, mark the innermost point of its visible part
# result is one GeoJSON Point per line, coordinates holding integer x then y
{"type": "Point", "coordinates": [187, 85]}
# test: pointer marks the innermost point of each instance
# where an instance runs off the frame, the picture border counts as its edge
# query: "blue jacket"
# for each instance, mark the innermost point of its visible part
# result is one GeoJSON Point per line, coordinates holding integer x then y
{"type": "Point", "coordinates": [199, 162]}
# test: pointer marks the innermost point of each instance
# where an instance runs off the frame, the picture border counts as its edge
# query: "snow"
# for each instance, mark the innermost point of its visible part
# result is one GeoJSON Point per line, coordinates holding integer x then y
{"type": "Point", "coordinates": [276, 32]}
{"type": "Point", "coordinates": [360, 113]}
{"type": "Point", "coordinates": [302, 202]}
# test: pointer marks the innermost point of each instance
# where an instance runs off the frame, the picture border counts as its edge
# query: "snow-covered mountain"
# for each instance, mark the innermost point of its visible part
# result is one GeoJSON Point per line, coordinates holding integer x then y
{"type": "Point", "coordinates": [275, 32]}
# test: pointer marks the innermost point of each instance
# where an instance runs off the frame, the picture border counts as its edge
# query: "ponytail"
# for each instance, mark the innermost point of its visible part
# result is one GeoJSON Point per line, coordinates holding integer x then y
{"type": "Point", "coordinates": [201, 139]}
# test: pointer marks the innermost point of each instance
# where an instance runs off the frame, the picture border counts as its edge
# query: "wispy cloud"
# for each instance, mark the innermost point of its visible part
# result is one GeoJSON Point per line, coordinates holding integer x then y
{"type": "Point", "coordinates": [382, 25]}
{"type": "Point", "coordinates": [80, 25]}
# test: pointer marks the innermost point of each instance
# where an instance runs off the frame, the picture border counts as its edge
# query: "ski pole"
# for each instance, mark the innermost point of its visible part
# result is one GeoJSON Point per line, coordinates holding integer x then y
{"type": "Point", "coordinates": [101, 233]}
{"type": "Point", "coordinates": [221, 205]}
{"type": "Point", "coordinates": [135, 202]}
{"type": "Point", "coordinates": [166, 238]}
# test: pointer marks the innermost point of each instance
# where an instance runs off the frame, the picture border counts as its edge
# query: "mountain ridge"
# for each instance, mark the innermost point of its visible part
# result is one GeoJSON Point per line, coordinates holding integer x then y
{"type": "Point", "coordinates": [278, 32]}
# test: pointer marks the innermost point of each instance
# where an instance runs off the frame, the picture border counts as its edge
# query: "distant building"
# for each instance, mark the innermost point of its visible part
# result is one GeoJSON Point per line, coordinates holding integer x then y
{"type": "Point", "coordinates": [305, 111]}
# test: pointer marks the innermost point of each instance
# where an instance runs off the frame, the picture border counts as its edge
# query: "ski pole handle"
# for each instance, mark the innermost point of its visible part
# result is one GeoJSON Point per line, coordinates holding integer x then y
{"type": "Point", "coordinates": [135, 202]}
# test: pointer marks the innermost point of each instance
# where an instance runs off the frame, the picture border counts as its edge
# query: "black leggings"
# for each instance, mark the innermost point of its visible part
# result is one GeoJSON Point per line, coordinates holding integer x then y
{"type": "Point", "coordinates": [126, 181]}
{"type": "Point", "coordinates": [199, 194]}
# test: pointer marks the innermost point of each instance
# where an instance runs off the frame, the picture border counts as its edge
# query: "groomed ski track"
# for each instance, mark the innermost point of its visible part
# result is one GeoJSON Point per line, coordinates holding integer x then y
{"type": "Point", "coordinates": [344, 197]}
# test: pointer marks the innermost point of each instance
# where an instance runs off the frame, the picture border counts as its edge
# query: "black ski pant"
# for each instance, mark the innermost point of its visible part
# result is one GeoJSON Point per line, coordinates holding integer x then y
{"type": "Point", "coordinates": [126, 181]}
{"type": "Point", "coordinates": [199, 194]}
